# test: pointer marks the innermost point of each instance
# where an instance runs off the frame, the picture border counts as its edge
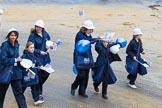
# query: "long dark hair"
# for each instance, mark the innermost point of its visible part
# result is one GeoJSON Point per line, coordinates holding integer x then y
{"type": "Point", "coordinates": [83, 30]}
{"type": "Point", "coordinates": [134, 37]}
{"type": "Point", "coordinates": [15, 32]}
{"type": "Point", "coordinates": [32, 30]}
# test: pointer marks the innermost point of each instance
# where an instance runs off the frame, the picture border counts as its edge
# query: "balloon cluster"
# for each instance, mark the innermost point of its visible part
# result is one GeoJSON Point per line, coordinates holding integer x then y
{"type": "Point", "coordinates": [120, 43]}
{"type": "Point", "coordinates": [83, 46]}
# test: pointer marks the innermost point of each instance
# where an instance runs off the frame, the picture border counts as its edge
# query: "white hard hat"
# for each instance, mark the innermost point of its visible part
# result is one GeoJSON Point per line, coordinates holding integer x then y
{"type": "Point", "coordinates": [11, 30]}
{"type": "Point", "coordinates": [114, 49]}
{"type": "Point", "coordinates": [88, 24]}
{"type": "Point", "coordinates": [40, 23]}
{"type": "Point", "coordinates": [137, 31]}
{"type": "Point", "coordinates": [108, 36]}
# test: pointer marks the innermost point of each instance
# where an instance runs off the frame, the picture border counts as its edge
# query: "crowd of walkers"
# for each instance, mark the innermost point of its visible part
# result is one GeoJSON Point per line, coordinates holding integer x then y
{"type": "Point", "coordinates": [101, 68]}
{"type": "Point", "coordinates": [12, 73]}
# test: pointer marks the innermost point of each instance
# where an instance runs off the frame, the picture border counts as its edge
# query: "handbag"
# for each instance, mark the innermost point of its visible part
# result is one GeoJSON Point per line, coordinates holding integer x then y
{"type": "Point", "coordinates": [5, 73]}
{"type": "Point", "coordinates": [142, 69]}
{"type": "Point", "coordinates": [30, 77]}
{"type": "Point", "coordinates": [84, 61]}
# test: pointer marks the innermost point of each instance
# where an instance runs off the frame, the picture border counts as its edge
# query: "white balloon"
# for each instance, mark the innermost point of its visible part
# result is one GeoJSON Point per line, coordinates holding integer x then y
{"type": "Point", "coordinates": [1, 11]}
{"type": "Point", "coordinates": [48, 44]}
{"type": "Point", "coordinates": [114, 49]}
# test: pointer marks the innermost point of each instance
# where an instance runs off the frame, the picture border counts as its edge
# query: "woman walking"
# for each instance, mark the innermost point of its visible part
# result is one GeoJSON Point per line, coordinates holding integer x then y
{"type": "Point", "coordinates": [39, 37]}
{"type": "Point", "coordinates": [81, 79]}
{"type": "Point", "coordinates": [10, 58]}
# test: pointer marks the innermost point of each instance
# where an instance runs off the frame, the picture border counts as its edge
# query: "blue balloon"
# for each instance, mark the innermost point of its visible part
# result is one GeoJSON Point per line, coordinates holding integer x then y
{"type": "Point", "coordinates": [75, 71]}
{"type": "Point", "coordinates": [122, 42]}
{"type": "Point", "coordinates": [83, 46]}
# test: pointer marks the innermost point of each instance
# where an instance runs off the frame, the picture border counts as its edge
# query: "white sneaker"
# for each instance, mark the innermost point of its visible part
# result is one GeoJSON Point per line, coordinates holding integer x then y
{"type": "Point", "coordinates": [132, 86]}
{"type": "Point", "coordinates": [38, 102]}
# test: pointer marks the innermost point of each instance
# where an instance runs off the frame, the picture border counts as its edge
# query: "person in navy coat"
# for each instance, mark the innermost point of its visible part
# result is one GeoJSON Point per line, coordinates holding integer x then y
{"type": "Point", "coordinates": [39, 37]}
{"type": "Point", "coordinates": [133, 51]}
{"type": "Point", "coordinates": [27, 80]}
{"type": "Point", "coordinates": [10, 56]}
{"type": "Point", "coordinates": [103, 71]}
{"type": "Point", "coordinates": [81, 79]}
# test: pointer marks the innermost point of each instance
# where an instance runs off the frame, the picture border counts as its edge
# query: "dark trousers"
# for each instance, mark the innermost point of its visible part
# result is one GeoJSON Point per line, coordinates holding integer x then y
{"type": "Point", "coordinates": [104, 82]}
{"type": "Point", "coordinates": [104, 87]}
{"type": "Point", "coordinates": [81, 80]}
{"type": "Point", "coordinates": [35, 90]}
{"type": "Point", "coordinates": [43, 76]}
{"type": "Point", "coordinates": [17, 91]}
{"type": "Point", "coordinates": [132, 78]}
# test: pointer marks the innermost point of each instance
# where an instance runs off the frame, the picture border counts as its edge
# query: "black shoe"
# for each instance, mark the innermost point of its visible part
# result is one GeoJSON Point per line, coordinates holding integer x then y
{"type": "Point", "coordinates": [72, 92]}
{"type": "Point", "coordinates": [84, 95]}
{"type": "Point", "coordinates": [128, 77]}
{"type": "Point", "coordinates": [96, 88]}
{"type": "Point", "coordinates": [104, 97]}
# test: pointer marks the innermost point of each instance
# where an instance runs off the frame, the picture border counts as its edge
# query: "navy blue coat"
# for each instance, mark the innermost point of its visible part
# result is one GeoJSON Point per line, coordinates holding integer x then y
{"type": "Point", "coordinates": [8, 55]}
{"type": "Point", "coordinates": [32, 57]}
{"type": "Point", "coordinates": [40, 45]}
{"type": "Point", "coordinates": [103, 71]}
{"type": "Point", "coordinates": [81, 36]}
{"type": "Point", "coordinates": [134, 49]}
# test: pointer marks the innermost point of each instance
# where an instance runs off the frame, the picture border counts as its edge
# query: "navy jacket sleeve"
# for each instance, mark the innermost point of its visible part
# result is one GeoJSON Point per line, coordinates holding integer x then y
{"type": "Point", "coordinates": [130, 49]}
{"type": "Point", "coordinates": [48, 36]}
{"type": "Point", "coordinates": [141, 49]}
{"type": "Point", "coordinates": [32, 39]}
{"type": "Point", "coordinates": [98, 47]}
{"type": "Point", "coordinates": [38, 63]}
{"type": "Point", "coordinates": [6, 60]}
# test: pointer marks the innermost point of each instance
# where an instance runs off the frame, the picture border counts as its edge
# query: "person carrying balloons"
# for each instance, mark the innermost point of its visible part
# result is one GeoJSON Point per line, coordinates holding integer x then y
{"type": "Point", "coordinates": [39, 36]}
{"type": "Point", "coordinates": [30, 76]}
{"type": "Point", "coordinates": [83, 59]}
{"type": "Point", "coordinates": [107, 53]}
{"type": "Point", "coordinates": [133, 58]}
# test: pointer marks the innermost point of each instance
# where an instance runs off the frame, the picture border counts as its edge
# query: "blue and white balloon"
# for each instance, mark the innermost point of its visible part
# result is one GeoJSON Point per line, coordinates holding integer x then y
{"type": "Point", "coordinates": [122, 42]}
{"type": "Point", "coordinates": [115, 49]}
{"type": "Point", "coordinates": [83, 46]}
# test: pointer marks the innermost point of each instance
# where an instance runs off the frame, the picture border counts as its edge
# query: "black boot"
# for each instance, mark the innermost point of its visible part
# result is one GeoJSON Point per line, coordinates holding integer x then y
{"type": "Point", "coordinates": [96, 87]}
{"type": "Point", "coordinates": [72, 92]}
{"type": "Point", "coordinates": [84, 95]}
{"type": "Point", "coordinates": [104, 91]}
{"type": "Point", "coordinates": [104, 97]}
